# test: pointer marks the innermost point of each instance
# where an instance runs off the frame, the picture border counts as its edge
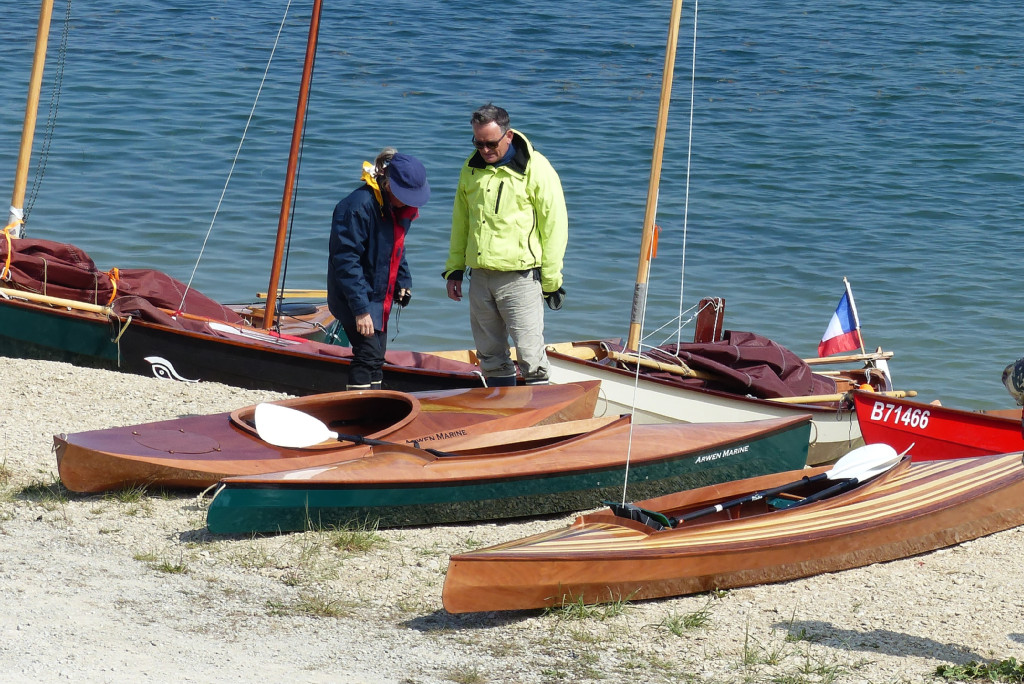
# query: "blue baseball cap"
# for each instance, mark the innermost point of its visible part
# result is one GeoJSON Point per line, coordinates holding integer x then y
{"type": "Point", "coordinates": [408, 180]}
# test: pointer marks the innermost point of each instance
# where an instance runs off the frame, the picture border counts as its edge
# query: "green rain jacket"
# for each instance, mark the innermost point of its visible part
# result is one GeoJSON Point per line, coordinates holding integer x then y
{"type": "Point", "coordinates": [509, 218]}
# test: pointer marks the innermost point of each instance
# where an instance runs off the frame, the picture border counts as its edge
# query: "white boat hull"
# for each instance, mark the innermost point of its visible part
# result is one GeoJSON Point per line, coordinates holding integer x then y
{"type": "Point", "coordinates": [833, 432]}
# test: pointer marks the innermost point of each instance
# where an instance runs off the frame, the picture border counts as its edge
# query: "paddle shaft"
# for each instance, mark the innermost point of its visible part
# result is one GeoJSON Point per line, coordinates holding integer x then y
{"type": "Point", "coordinates": [359, 439]}
{"type": "Point", "coordinates": [682, 369]}
{"type": "Point", "coordinates": [837, 488]}
{"type": "Point", "coordinates": [817, 398]}
{"type": "Point", "coordinates": [57, 301]}
{"type": "Point", "coordinates": [869, 356]}
{"type": "Point", "coordinates": [756, 496]}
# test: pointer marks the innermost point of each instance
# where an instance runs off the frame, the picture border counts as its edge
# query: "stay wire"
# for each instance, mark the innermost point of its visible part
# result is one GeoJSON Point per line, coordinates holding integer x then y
{"type": "Point", "coordinates": [689, 155]}
{"type": "Point", "coordinates": [238, 152]}
{"type": "Point", "coordinates": [643, 306]}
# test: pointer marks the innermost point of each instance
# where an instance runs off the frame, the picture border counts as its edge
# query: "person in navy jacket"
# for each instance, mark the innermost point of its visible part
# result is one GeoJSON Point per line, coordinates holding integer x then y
{"type": "Point", "coordinates": [367, 273]}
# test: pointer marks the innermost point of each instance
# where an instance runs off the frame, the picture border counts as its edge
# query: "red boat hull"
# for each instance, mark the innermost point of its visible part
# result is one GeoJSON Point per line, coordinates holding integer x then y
{"type": "Point", "coordinates": [936, 432]}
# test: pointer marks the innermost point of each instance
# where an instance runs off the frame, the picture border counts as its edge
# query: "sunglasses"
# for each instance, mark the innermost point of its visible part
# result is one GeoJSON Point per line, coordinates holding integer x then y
{"type": "Point", "coordinates": [489, 144]}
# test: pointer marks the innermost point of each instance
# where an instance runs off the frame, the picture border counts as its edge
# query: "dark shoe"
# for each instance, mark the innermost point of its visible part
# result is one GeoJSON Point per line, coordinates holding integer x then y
{"type": "Point", "coordinates": [501, 381]}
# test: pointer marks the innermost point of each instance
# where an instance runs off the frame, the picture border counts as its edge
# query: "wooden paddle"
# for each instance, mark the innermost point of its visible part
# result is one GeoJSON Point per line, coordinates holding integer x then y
{"type": "Point", "coordinates": [681, 369]}
{"type": "Point", "coordinates": [293, 429]}
{"type": "Point", "coordinates": [304, 294]}
{"type": "Point", "coordinates": [56, 301]}
{"type": "Point", "coordinates": [819, 398]}
{"type": "Point", "coordinates": [859, 465]}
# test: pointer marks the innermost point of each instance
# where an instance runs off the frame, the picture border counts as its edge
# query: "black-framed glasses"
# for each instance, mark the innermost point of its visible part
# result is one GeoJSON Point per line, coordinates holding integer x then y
{"type": "Point", "coordinates": [489, 144]}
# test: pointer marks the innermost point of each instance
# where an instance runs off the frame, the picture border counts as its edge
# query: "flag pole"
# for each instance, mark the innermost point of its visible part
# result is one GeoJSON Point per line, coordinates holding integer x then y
{"type": "Point", "coordinates": [856, 318]}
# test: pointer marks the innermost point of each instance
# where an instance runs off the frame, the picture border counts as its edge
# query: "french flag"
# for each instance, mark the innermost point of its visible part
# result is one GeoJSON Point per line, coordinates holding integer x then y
{"type": "Point", "coordinates": [843, 332]}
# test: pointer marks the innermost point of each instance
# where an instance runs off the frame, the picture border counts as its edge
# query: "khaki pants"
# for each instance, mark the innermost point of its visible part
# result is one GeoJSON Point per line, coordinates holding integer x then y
{"type": "Point", "coordinates": [505, 304]}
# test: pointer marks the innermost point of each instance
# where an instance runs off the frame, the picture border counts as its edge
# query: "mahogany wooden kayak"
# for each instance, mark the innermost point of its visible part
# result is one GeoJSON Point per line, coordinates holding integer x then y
{"type": "Point", "coordinates": [936, 431]}
{"type": "Point", "coordinates": [527, 473]}
{"type": "Point", "coordinates": [911, 509]}
{"type": "Point", "coordinates": [197, 451]}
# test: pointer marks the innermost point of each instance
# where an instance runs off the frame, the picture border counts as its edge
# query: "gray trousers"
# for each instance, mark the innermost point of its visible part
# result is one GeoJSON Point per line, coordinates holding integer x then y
{"type": "Point", "coordinates": [505, 304]}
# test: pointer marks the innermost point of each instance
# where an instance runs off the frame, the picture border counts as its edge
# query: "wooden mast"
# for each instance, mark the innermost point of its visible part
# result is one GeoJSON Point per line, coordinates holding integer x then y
{"type": "Point", "coordinates": [293, 158]}
{"type": "Point", "coordinates": [17, 208]}
{"type": "Point", "coordinates": [647, 242]}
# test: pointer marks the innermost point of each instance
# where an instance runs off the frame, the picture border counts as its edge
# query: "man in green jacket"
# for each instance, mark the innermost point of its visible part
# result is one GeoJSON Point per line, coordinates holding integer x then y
{"type": "Point", "coordinates": [509, 231]}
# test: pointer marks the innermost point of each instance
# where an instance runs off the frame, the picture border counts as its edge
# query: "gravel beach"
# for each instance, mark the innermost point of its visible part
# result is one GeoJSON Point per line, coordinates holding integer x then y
{"type": "Point", "coordinates": [130, 586]}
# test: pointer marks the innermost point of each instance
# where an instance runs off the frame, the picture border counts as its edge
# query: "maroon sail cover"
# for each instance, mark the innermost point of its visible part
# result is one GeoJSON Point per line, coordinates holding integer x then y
{"type": "Point", "coordinates": [746, 363]}
{"type": "Point", "coordinates": [57, 269]}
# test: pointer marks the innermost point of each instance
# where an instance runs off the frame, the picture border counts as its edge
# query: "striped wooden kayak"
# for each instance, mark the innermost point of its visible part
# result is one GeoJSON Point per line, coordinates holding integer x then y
{"type": "Point", "coordinates": [936, 431]}
{"type": "Point", "coordinates": [911, 509]}
{"type": "Point", "coordinates": [197, 451]}
{"type": "Point", "coordinates": [506, 475]}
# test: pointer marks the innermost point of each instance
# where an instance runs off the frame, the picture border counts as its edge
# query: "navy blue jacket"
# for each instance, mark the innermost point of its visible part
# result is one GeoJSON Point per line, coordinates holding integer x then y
{"type": "Point", "coordinates": [358, 266]}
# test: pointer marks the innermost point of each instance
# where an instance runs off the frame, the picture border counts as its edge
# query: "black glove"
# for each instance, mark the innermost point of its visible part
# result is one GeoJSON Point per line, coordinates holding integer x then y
{"type": "Point", "coordinates": [402, 296]}
{"type": "Point", "coordinates": [554, 299]}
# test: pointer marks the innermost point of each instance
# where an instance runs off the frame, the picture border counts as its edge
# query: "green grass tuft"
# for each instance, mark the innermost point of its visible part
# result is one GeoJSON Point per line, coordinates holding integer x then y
{"type": "Point", "coordinates": [356, 537]}
{"type": "Point", "coordinates": [1008, 670]}
{"type": "Point", "coordinates": [577, 609]}
{"type": "Point", "coordinates": [127, 494]}
{"type": "Point", "coordinates": [679, 624]}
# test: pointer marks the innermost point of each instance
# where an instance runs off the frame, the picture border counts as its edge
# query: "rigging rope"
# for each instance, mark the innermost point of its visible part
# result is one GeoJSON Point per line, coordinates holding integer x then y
{"type": "Point", "coordinates": [689, 154]}
{"type": "Point", "coordinates": [238, 152]}
{"type": "Point", "coordinates": [643, 303]}
{"type": "Point", "coordinates": [51, 118]}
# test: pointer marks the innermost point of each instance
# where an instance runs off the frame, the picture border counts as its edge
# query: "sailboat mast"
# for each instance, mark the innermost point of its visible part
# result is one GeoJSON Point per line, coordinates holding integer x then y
{"type": "Point", "coordinates": [647, 241]}
{"type": "Point", "coordinates": [293, 160]}
{"type": "Point", "coordinates": [17, 210]}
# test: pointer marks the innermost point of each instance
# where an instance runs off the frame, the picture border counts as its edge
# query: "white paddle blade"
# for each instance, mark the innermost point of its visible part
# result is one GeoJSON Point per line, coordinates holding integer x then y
{"type": "Point", "coordinates": [289, 428]}
{"type": "Point", "coordinates": [865, 462]}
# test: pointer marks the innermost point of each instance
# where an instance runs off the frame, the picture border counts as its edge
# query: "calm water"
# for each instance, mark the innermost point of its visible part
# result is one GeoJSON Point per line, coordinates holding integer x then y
{"type": "Point", "coordinates": [829, 140]}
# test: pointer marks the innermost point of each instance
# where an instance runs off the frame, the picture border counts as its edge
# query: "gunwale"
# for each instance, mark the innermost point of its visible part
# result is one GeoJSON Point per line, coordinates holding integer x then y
{"type": "Point", "coordinates": [198, 451]}
{"type": "Point", "coordinates": [402, 487]}
{"type": "Point", "coordinates": [915, 508]}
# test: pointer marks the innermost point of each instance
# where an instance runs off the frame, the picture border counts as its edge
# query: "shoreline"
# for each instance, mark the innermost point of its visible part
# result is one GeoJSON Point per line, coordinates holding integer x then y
{"type": "Point", "coordinates": [98, 588]}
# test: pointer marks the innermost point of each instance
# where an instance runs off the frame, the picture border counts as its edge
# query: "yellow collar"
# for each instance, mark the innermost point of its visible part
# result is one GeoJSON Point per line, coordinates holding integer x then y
{"type": "Point", "coordinates": [371, 180]}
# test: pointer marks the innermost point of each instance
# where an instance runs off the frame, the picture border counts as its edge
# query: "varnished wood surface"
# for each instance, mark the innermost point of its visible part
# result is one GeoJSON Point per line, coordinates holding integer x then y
{"type": "Point", "coordinates": [607, 447]}
{"type": "Point", "coordinates": [912, 509]}
{"type": "Point", "coordinates": [197, 451]}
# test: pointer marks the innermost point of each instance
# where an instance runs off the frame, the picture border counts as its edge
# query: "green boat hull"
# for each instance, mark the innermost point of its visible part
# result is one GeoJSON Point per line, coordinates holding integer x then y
{"type": "Point", "coordinates": [29, 333]}
{"type": "Point", "coordinates": [245, 507]}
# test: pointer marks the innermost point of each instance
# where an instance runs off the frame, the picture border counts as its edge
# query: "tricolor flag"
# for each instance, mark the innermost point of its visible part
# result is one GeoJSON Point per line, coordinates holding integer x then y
{"type": "Point", "coordinates": [843, 332]}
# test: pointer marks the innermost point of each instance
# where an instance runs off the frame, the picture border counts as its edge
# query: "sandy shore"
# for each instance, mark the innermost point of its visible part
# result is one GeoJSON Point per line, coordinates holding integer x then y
{"type": "Point", "coordinates": [131, 587]}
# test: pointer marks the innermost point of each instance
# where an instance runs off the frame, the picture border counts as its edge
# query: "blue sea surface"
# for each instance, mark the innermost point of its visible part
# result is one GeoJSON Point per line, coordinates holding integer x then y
{"type": "Point", "coordinates": [881, 143]}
